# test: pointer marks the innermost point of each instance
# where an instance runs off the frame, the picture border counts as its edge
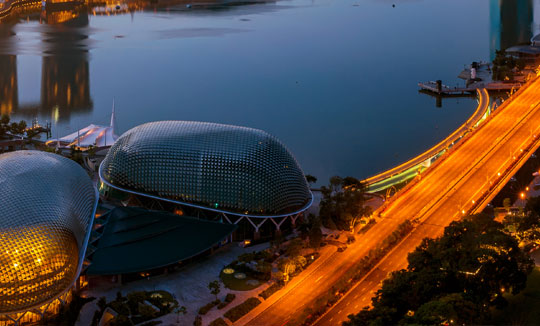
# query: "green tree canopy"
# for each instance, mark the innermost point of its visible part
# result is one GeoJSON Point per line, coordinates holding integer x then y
{"type": "Point", "coordinates": [343, 202]}
{"type": "Point", "coordinates": [455, 277]}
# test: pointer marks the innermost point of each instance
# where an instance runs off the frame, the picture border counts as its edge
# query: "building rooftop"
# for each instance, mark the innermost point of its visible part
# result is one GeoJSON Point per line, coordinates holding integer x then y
{"type": "Point", "coordinates": [48, 205]}
{"type": "Point", "coordinates": [213, 166]}
{"type": "Point", "coordinates": [135, 240]}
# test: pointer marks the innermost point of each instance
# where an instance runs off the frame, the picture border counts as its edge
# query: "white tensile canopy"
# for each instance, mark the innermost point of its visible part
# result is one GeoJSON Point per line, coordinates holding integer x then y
{"type": "Point", "coordinates": [91, 135]}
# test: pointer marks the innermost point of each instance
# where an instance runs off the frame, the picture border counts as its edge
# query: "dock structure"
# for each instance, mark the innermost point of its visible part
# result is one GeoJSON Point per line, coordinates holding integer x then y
{"type": "Point", "coordinates": [439, 88]}
{"type": "Point", "coordinates": [477, 75]}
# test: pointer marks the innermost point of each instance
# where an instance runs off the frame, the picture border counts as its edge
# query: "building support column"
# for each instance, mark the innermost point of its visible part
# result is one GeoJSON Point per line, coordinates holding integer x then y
{"type": "Point", "coordinates": [256, 234]}
{"type": "Point", "coordinates": [278, 225]}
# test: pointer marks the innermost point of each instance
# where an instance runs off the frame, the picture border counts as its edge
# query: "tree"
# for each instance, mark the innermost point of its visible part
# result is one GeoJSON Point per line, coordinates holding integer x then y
{"type": "Point", "coordinates": [4, 124]}
{"type": "Point", "coordinates": [214, 288]}
{"type": "Point", "coordinates": [300, 261]}
{"type": "Point", "coordinates": [310, 179]}
{"type": "Point", "coordinates": [343, 202]}
{"type": "Point", "coordinates": [18, 128]}
{"type": "Point", "coordinates": [507, 203]}
{"type": "Point", "coordinates": [277, 241]}
{"type": "Point", "coordinates": [294, 247]}
{"type": "Point", "coordinates": [450, 309]}
{"type": "Point", "coordinates": [287, 266]}
{"type": "Point", "coordinates": [315, 234]}
{"type": "Point", "coordinates": [503, 66]}
{"type": "Point", "coordinates": [526, 227]}
{"type": "Point", "coordinates": [533, 205]}
{"type": "Point", "coordinates": [458, 276]}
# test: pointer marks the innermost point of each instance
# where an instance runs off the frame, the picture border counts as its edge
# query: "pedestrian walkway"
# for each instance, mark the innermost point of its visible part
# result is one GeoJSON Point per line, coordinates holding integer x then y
{"type": "Point", "coordinates": [189, 285]}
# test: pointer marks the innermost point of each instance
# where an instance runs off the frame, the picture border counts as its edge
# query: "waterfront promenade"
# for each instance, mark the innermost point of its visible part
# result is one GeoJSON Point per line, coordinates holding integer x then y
{"type": "Point", "coordinates": [409, 169]}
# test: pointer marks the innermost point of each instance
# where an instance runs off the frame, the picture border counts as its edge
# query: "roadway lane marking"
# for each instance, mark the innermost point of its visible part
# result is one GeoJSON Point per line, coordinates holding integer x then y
{"type": "Point", "coordinates": [317, 280]}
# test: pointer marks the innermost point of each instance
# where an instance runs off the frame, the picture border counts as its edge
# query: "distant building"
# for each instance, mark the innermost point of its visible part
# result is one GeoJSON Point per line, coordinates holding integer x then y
{"type": "Point", "coordinates": [48, 206]}
{"type": "Point", "coordinates": [511, 23]}
{"type": "Point", "coordinates": [233, 174]}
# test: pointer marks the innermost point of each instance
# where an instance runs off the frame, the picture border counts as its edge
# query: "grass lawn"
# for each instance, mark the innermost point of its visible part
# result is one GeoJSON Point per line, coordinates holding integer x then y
{"type": "Point", "coordinates": [238, 284]}
{"type": "Point", "coordinates": [524, 308]}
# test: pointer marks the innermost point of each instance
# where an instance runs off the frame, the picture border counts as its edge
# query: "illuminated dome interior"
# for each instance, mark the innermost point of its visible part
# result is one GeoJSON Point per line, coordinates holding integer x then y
{"type": "Point", "coordinates": [46, 214]}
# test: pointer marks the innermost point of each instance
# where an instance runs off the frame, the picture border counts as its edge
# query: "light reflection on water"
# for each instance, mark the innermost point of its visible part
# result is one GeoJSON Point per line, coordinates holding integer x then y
{"type": "Point", "coordinates": [334, 80]}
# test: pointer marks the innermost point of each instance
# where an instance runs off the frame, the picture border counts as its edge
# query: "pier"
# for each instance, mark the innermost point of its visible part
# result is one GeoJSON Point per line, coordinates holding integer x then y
{"type": "Point", "coordinates": [439, 88]}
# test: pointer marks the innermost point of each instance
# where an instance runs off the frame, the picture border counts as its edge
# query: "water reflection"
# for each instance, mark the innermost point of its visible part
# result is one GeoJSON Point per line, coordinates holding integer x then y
{"type": "Point", "coordinates": [64, 47]}
{"type": "Point", "coordinates": [65, 77]}
{"type": "Point", "coordinates": [9, 98]}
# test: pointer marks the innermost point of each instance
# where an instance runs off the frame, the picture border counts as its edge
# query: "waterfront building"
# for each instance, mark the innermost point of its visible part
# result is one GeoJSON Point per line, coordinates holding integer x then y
{"type": "Point", "coordinates": [233, 174]}
{"type": "Point", "coordinates": [511, 23]}
{"type": "Point", "coordinates": [48, 206]}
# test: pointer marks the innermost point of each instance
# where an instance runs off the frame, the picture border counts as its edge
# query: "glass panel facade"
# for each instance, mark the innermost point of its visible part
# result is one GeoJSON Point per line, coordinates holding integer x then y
{"type": "Point", "coordinates": [46, 213]}
{"type": "Point", "coordinates": [229, 168]}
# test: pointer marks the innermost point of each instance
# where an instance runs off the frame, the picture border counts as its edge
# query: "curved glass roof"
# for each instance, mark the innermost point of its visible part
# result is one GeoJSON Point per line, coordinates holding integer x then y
{"type": "Point", "coordinates": [221, 167]}
{"type": "Point", "coordinates": [48, 203]}
{"type": "Point", "coordinates": [135, 239]}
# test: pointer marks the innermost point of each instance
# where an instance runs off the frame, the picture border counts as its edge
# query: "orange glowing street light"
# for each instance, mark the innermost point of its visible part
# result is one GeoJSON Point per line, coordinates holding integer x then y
{"type": "Point", "coordinates": [522, 195]}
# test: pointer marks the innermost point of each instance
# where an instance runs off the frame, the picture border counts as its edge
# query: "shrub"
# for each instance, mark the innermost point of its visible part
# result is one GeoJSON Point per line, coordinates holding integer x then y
{"type": "Point", "coordinates": [270, 290]}
{"type": "Point", "coordinates": [133, 300]}
{"type": "Point", "coordinates": [230, 297]}
{"type": "Point", "coordinates": [204, 309]}
{"type": "Point", "coordinates": [121, 320]}
{"type": "Point", "coordinates": [237, 312]}
{"type": "Point", "coordinates": [119, 307]}
{"type": "Point", "coordinates": [147, 312]}
{"type": "Point", "coordinates": [218, 322]}
{"type": "Point", "coordinates": [223, 305]}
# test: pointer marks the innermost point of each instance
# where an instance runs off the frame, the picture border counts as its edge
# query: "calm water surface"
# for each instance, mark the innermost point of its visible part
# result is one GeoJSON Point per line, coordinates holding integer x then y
{"type": "Point", "coordinates": [336, 81]}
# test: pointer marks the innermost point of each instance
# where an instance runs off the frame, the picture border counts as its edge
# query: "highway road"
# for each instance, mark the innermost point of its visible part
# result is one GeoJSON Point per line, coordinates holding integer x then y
{"type": "Point", "coordinates": [439, 197]}
{"type": "Point", "coordinates": [301, 292]}
{"type": "Point", "coordinates": [451, 189]}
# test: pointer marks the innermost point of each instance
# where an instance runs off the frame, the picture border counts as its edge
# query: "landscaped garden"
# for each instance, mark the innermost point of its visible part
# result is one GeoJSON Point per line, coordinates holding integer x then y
{"type": "Point", "coordinates": [136, 307]}
{"type": "Point", "coordinates": [249, 271]}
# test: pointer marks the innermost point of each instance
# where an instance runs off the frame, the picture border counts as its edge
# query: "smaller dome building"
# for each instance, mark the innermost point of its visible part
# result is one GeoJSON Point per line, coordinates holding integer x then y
{"type": "Point", "coordinates": [237, 172]}
{"type": "Point", "coordinates": [48, 205]}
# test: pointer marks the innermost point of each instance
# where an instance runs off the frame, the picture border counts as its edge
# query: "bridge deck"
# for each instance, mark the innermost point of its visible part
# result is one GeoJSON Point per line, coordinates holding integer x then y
{"type": "Point", "coordinates": [406, 170]}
